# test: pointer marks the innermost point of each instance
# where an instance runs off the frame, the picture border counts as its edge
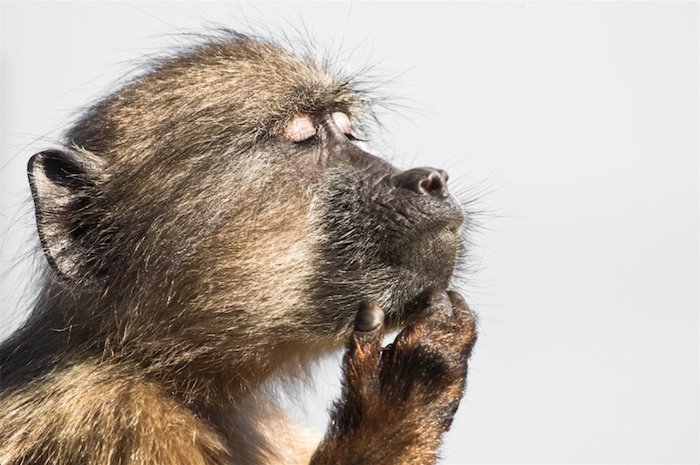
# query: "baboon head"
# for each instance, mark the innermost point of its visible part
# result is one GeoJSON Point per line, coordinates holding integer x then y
{"type": "Point", "coordinates": [218, 209]}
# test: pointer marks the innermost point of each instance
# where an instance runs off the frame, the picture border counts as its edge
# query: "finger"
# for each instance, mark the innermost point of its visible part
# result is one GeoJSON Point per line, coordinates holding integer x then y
{"type": "Point", "coordinates": [466, 320]}
{"type": "Point", "coordinates": [460, 308]}
{"type": "Point", "coordinates": [368, 331]}
{"type": "Point", "coordinates": [439, 302]}
{"type": "Point", "coordinates": [365, 344]}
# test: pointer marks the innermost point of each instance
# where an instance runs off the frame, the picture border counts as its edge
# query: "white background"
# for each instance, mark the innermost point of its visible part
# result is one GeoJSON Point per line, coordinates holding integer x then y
{"type": "Point", "coordinates": [576, 125]}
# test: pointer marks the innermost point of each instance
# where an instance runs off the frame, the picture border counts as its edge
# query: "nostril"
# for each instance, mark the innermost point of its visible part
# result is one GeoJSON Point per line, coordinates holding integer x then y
{"type": "Point", "coordinates": [427, 181]}
{"type": "Point", "coordinates": [433, 184]}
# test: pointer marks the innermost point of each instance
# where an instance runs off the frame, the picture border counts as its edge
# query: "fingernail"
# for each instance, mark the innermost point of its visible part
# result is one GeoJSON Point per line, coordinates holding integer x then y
{"type": "Point", "coordinates": [370, 317]}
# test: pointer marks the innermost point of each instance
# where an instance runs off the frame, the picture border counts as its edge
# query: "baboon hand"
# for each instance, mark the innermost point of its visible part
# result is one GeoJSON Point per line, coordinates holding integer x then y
{"type": "Point", "coordinates": [399, 400]}
{"type": "Point", "coordinates": [422, 373]}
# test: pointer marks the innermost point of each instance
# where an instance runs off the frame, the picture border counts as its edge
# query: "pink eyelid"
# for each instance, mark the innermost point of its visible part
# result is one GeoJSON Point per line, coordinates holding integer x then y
{"type": "Point", "coordinates": [300, 128]}
{"type": "Point", "coordinates": [342, 121]}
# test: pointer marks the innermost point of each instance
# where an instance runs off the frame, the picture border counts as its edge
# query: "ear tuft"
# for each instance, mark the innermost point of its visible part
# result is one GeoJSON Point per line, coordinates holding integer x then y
{"type": "Point", "coordinates": [63, 185]}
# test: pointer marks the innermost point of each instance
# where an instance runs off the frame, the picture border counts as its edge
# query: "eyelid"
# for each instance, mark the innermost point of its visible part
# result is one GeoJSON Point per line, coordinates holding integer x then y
{"type": "Point", "coordinates": [300, 128]}
{"type": "Point", "coordinates": [343, 122]}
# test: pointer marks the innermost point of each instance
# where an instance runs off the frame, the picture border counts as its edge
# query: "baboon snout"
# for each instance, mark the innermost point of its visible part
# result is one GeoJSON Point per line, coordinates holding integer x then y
{"type": "Point", "coordinates": [425, 181]}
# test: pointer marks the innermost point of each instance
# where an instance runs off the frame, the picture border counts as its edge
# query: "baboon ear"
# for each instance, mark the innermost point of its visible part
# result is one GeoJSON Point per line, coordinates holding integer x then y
{"type": "Point", "coordinates": [63, 184]}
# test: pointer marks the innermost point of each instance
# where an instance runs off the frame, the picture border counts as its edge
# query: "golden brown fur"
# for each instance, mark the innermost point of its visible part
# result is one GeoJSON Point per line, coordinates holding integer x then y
{"type": "Point", "coordinates": [194, 253]}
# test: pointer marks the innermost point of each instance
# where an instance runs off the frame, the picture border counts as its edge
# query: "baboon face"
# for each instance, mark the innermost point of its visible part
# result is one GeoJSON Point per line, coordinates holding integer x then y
{"type": "Point", "coordinates": [223, 192]}
{"type": "Point", "coordinates": [386, 234]}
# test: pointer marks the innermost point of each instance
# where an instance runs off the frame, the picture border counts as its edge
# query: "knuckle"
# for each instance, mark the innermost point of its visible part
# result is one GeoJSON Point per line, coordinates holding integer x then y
{"type": "Point", "coordinates": [428, 361]}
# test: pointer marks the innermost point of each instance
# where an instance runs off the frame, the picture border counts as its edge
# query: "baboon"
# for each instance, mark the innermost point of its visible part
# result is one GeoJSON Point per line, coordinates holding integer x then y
{"type": "Point", "coordinates": [214, 224]}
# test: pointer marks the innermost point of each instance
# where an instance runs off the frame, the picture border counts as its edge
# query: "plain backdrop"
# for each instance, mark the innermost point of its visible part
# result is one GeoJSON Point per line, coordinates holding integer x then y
{"type": "Point", "coordinates": [575, 125]}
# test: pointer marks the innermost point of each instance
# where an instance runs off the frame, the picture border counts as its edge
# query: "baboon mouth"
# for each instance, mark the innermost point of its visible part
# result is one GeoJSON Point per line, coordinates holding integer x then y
{"type": "Point", "coordinates": [420, 216]}
{"type": "Point", "coordinates": [433, 234]}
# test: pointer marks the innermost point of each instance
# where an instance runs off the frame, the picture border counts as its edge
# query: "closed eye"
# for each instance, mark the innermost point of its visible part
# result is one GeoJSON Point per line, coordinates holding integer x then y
{"type": "Point", "coordinates": [343, 122]}
{"type": "Point", "coordinates": [301, 128]}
